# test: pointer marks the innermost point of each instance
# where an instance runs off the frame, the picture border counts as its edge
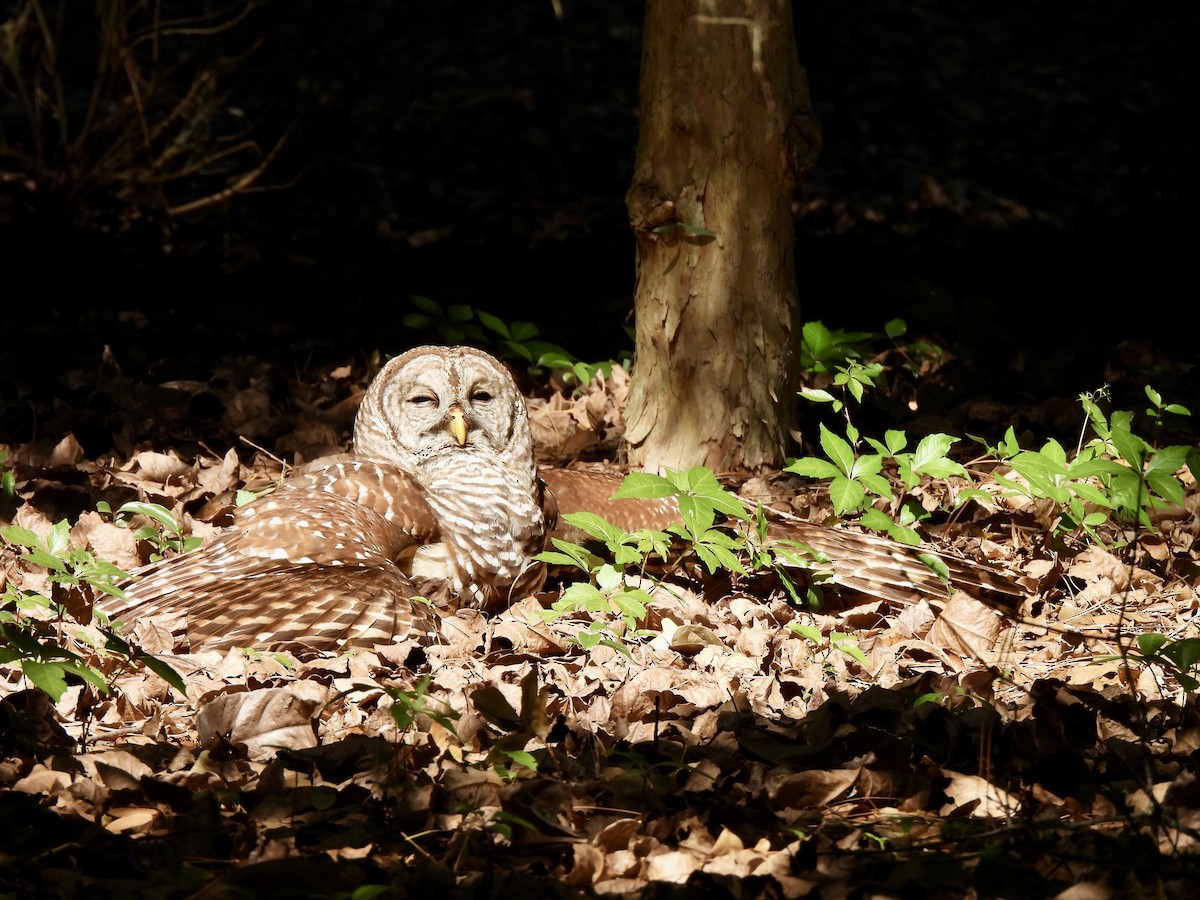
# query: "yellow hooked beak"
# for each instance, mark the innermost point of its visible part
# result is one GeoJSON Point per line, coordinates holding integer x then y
{"type": "Point", "coordinates": [458, 424]}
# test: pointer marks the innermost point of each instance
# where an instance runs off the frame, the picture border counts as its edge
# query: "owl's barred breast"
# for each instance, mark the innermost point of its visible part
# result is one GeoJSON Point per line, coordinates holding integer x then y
{"type": "Point", "coordinates": [492, 524]}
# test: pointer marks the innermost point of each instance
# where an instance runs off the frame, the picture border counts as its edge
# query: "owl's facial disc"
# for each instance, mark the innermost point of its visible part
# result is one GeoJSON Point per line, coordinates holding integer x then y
{"type": "Point", "coordinates": [441, 401]}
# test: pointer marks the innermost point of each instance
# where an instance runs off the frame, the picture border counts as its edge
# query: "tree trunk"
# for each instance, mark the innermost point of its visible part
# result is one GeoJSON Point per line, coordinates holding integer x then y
{"type": "Point", "coordinates": [727, 134]}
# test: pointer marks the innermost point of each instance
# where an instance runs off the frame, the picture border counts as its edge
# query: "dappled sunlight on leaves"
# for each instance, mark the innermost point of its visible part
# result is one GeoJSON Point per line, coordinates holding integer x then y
{"type": "Point", "coordinates": [737, 739]}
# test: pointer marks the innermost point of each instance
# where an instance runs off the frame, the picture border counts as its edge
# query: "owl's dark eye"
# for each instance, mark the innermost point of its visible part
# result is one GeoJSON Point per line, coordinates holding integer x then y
{"type": "Point", "coordinates": [480, 397]}
{"type": "Point", "coordinates": [422, 399]}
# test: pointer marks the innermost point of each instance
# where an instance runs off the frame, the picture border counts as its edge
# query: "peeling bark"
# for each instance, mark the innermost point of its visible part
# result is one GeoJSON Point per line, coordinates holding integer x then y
{"type": "Point", "coordinates": [727, 134]}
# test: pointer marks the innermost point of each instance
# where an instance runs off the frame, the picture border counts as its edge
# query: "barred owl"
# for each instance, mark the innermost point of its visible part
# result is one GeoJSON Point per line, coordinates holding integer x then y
{"type": "Point", "coordinates": [444, 491]}
{"type": "Point", "coordinates": [442, 500]}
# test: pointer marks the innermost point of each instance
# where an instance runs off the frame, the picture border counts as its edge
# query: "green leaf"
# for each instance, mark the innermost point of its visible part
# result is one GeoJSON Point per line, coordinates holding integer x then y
{"type": "Point", "coordinates": [837, 450]}
{"type": "Point", "coordinates": [907, 536]}
{"type": "Point", "coordinates": [846, 495]}
{"type": "Point", "coordinates": [1082, 467]}
{"type": "Point", "coordinates": [811, 467]}
{"type": "Point", "coordinates": [522, 758]}
{"type": "Point", "coordinates": [848, 644]}
{"type": "Point", "coordinates": [943, 468]}
{"type": "Point", "coordinates": [426, 304]}
{"type": "Point", "coordinates": [1130, 447]}
{"type": "Point", "coordinates": [877, 485]}
{"type": "Point", "coordinates": [49, 676]}
{"type": "Point", "coordinates": [1169, 460]}
{"type": "Point", "coordinates": [932, 450]}
{"type": "Point", "coordinates": [1187, 682]}
{"type": "Point", "coordinates": [163, 671]}
{"type": "Point", "coordinates": [895, 440]}
{"type": "Point", "coordinates": [697, 515]}
{"type": "Point", "coordinates": [1184, 653]}
{"type": "Point", "coordinates": [493, 323]}
{"type": "Point", "coordinates": [1092, 494]}
{"type": "Point", "coordinates": [1167, 486]}
{"type": "Point", "coordinates": [597, 526]}
{"type": "Point", "coordinates": [645, 485]}
{"type": "Point", "coordinates": [866, 465]}
{"type": "Point", "coordinates": [878, 446]}
{"type": "Point", "coordinates": [523, 331]}
{"type": "Point", "coordinates": [856, 389]}
{"type": "Point", "coordinates": [631, 604]}
{"type": "Point", "coordinates": [41, 558]}
{"type": "Point", "coordinates": [608, 578]}
{"type": "Point", "coordinates": [798, 554]}
{"type": "Point", "coordinates": [817, 396]}
{"type": "Point", "coordinates": [936, 565]}
{"type": "Point", "coordinates": [809, 632]}
{"type": "Point", "coordinates": [816, 339]}
{"type": "Point", "coordinates": [1053, 450]}
{"type": "Point", "coordinates": [569, 555]}
{"type": "Point", "coordinates": [557, 559]}
{"type": "Point", "coordinates": [582, 595]}
{"type": "Point", "coordinates": [1150, 643]}
{"type": "Point", "coordinates": [703, 485]}
{"type": "Point", "coordinates": [158, 513]}
{"type": "Point", "coordinates": [22, 537]}
{"type": "Point", "coordinates": [875, 520]}
{"type": "Point", "coordinates": [1010, 446]}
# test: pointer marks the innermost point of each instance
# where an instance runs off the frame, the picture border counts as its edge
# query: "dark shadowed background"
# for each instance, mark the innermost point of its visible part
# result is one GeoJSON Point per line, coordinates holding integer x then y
{"type": "Point", "coordinates": [1017, 182]}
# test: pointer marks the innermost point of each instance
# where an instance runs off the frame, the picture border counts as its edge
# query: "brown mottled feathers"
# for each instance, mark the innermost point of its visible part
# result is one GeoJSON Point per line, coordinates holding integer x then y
{"type": "Point", "coordinates": [872, 565]}
{"type": "Point", "coordinates": [443, 495]}
{"type": "Point", "coordinates": [883, 568]}
{"type": "Point", "coordinates": [307, 565]}
{"type": "Point", "coordinates": [573, 490]}
{"type": "Point", "coordinates": [442, 500]}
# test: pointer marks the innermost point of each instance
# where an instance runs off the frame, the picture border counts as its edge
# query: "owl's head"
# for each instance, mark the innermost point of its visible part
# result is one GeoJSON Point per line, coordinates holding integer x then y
{"type": "Point", "coordinates": [436, 402]}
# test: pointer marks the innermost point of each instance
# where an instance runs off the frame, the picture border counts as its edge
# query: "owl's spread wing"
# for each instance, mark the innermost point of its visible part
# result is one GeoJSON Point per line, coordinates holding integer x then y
{"type": "Point", "coordinates": [574, 490]}
{"type": "Point", "coordinates": [317, 563]}
{"type": "Point", "coordinates": [873, 565]}
{"type": "Point", "coordinates": [880, 567]}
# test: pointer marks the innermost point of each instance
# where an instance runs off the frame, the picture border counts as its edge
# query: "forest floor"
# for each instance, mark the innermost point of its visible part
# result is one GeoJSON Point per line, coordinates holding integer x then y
{"type": "Point", "coordinates": [938, 749]}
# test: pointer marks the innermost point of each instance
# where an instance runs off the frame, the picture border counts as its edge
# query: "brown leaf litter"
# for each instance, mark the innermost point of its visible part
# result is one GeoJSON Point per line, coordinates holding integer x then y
{"type": "Point", "coordinates": [994, 755]}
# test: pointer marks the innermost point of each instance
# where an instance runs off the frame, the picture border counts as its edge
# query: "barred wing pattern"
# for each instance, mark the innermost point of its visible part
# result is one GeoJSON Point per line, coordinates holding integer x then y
{"type": "Point", "coordinates": [442, 500]}
{"type": "Point", "coordinates": [309, 565]}
{"type": "Point", "coordinates": [867, 563]}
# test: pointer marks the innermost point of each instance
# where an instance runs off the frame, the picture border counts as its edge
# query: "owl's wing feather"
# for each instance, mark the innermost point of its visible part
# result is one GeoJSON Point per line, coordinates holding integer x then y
{"type": "Point", "coordinates": [574, 490]}
{"type": "Point", "coordinates": [303, 565]}
{"type": "Point", "coordinates": [384, 489]}
{"type": "Point", "coordinates": [873, 565]}
{"type": "Point", "coordinates": [880, 567]}
{"type": "Point", "coordinates": [351, 606]}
